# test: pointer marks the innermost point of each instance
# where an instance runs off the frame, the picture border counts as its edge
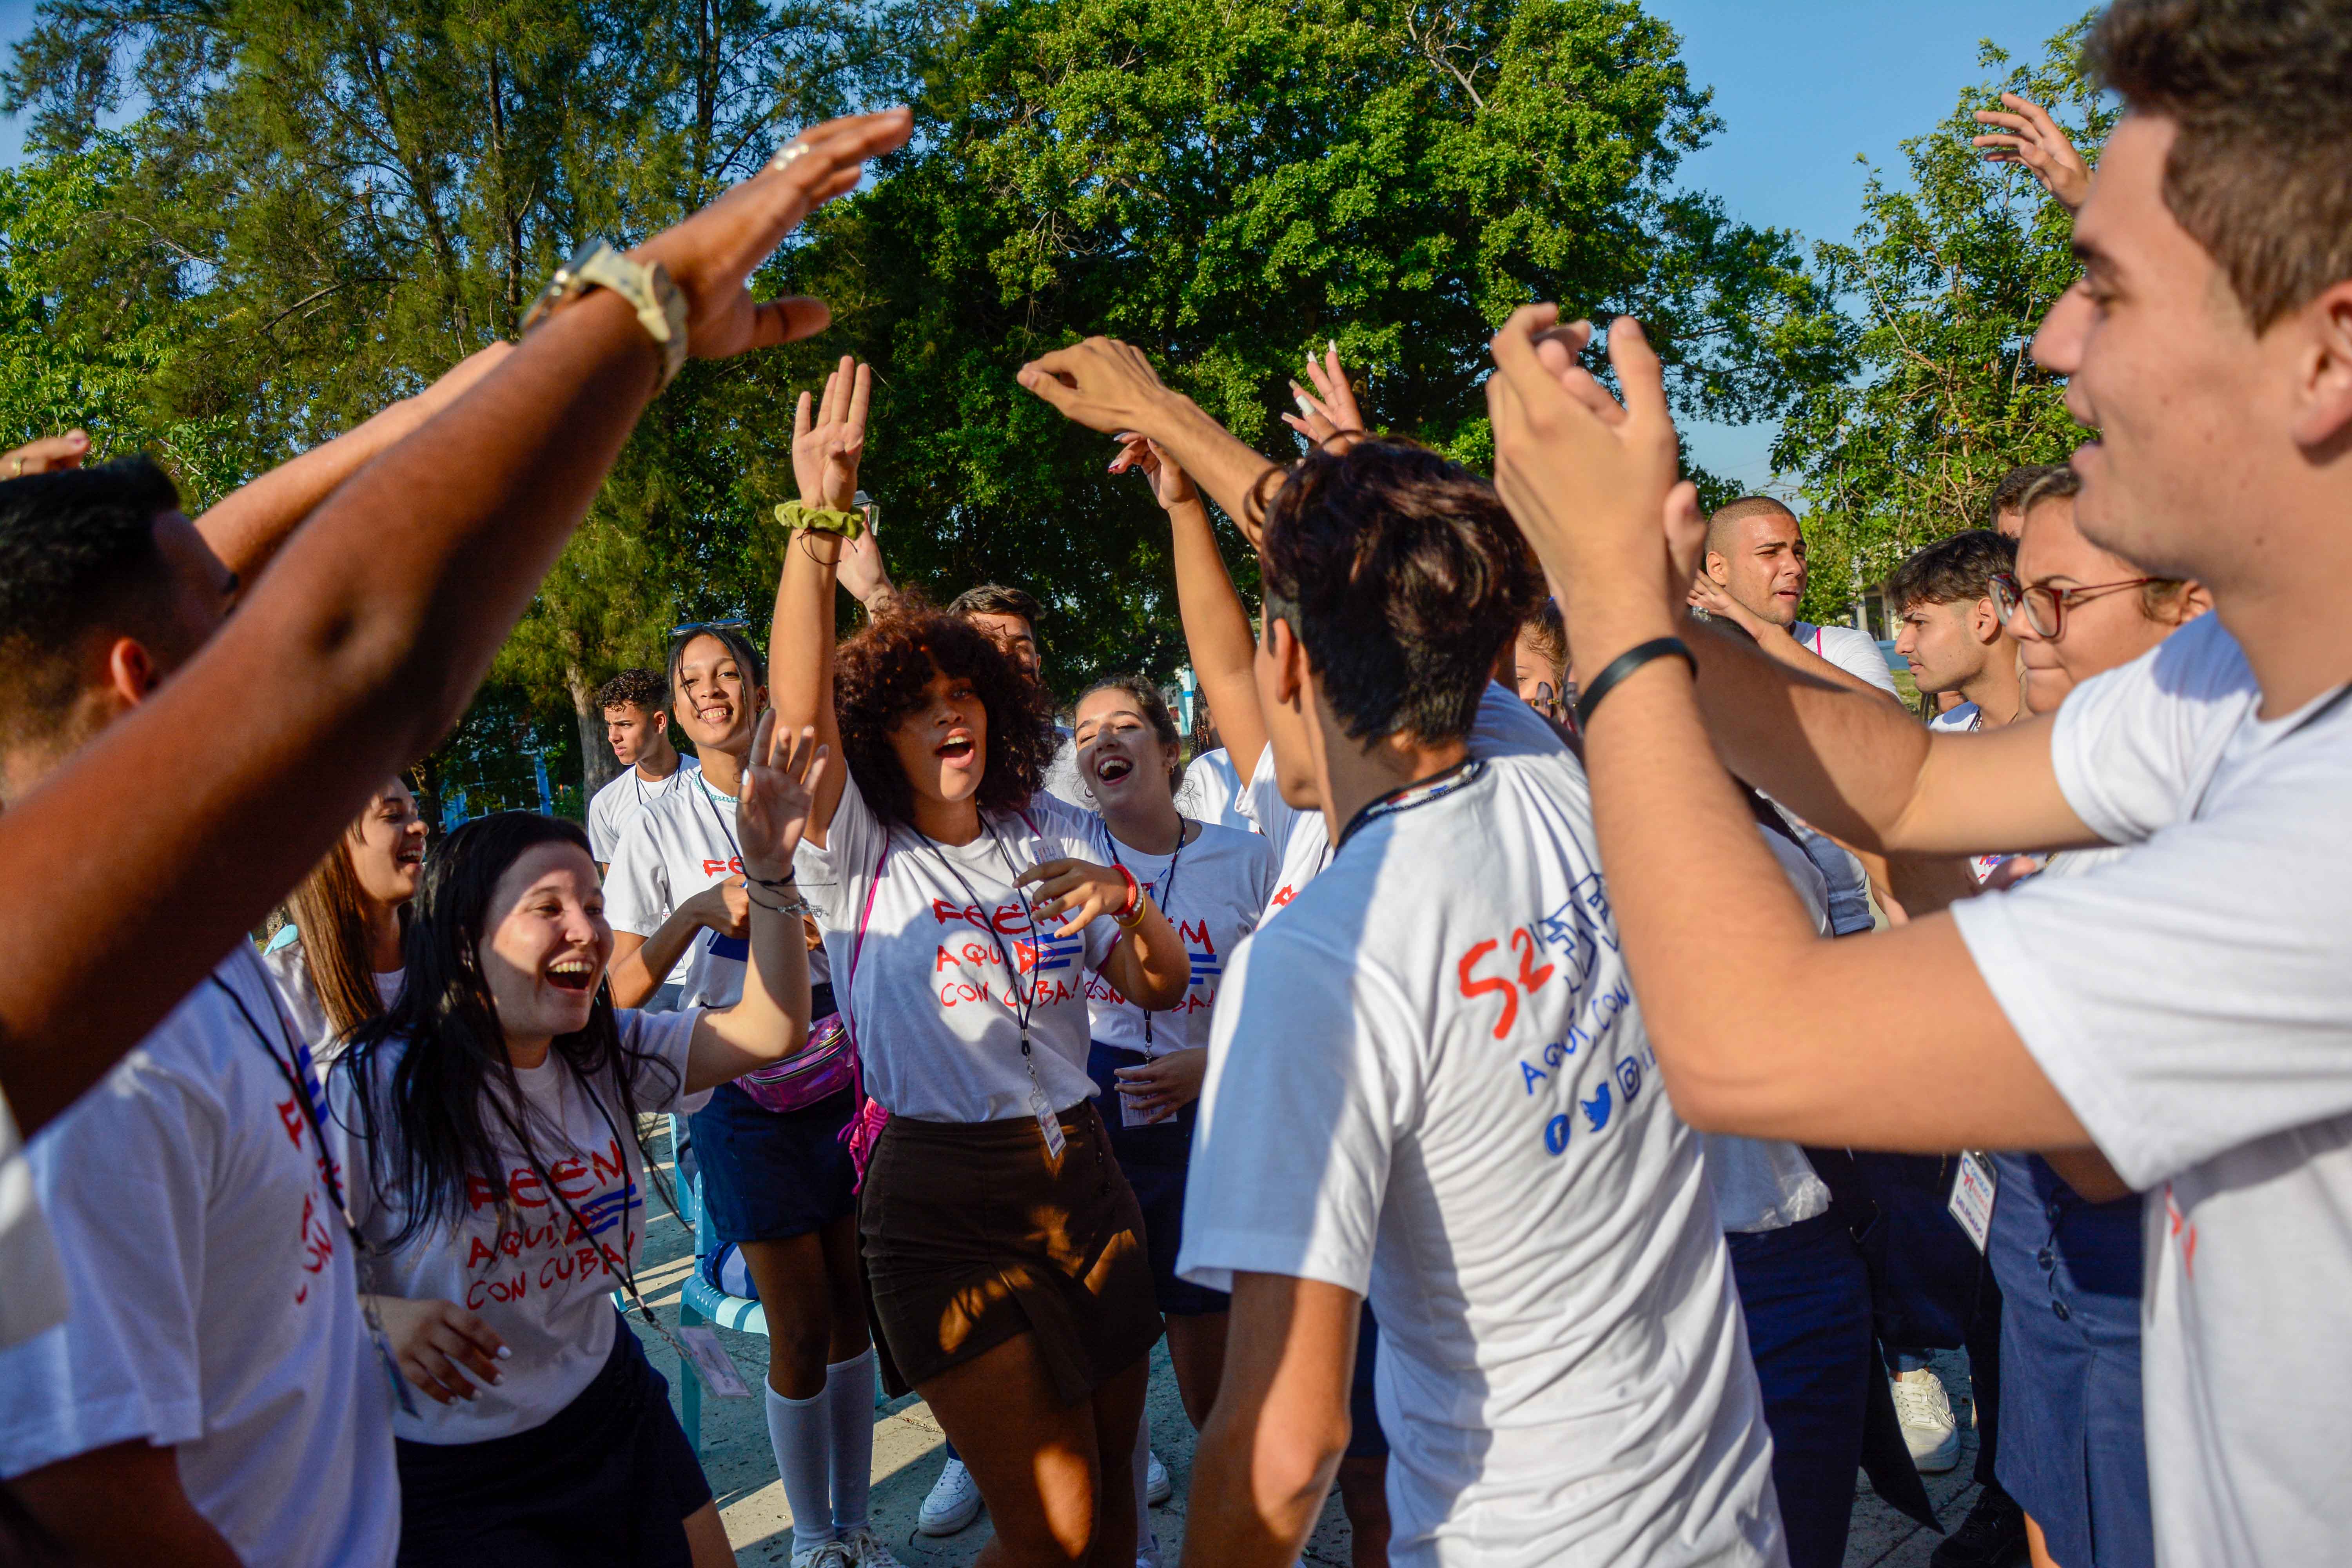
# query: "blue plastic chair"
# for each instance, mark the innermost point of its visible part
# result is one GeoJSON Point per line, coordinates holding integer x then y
{"type": "Point", "coordinates": [700, 1301]}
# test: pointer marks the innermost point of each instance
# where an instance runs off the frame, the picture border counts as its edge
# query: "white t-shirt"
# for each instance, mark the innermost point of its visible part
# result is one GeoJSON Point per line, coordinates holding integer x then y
{"type": "Point", "coordinates": [1215, 894]}
{"type": "Point", "coordinates": [678, 845]}
{"type": "Point", "coordinates": [1429, 1082]}
{"type": "Point", "coordinates": [288, 965]}
{"type": "Point", "coordinates": [1302, 839]}
{"type": "Point", "coordinates": [215, 1307]}
{"type": "Point", "coordinates": [1855, 652]}
{"type": "Point", "coordinates": [1968, 720]}
{"type": "Point", "coordinates": [920, 935]}
{"type": "Point", "coordinates": [1766, 1183]}
{"type": "Point", "coordinates": [33, 1294]}
{"type": "Point", "coordinates": [1062, 780]}
{"type": "Point", "coordinates": [614, 808]}
{"type": "Point", "coordinates": [517, 1257]}
{"type": "Point", "coordinates": [1211, 790]}
{"type": "Point", "coordinates": [2192, 1000]}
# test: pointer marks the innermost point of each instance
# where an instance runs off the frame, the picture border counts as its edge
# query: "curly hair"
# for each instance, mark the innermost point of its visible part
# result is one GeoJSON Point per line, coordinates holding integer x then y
{"type": "Point", "coordinates": [879, 676]}
{"type": "Point", "coordinates": [646, 689]}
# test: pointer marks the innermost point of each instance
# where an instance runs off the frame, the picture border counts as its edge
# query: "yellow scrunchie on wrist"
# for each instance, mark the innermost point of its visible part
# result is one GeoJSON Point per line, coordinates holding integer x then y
{"type": "Point", "coordinates": [824, 520]}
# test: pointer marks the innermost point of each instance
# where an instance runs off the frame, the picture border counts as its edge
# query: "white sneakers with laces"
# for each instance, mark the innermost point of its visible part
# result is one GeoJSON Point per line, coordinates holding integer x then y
{"type": "Point", "coordinates": [1929, 1430]}
{"type": "Point", "coordinates": [830, 1554]}
{"type": "Point", "coordinates": [1157, 1487]}
{"type": "Point", "coordinates": [952, 1503]}
{"type": "Point", "coordinates": [866, 1549]}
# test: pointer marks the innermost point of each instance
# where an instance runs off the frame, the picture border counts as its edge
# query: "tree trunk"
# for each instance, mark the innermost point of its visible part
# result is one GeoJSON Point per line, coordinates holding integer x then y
{"type": "Point", "coordinates": [596, 764]}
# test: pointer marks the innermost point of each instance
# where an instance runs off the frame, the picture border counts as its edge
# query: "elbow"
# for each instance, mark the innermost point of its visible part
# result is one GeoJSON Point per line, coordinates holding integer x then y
{"type": "Point", "coordinates": [1707, 1092]}
{"type": "Point", "coordinates": [1162, 992]}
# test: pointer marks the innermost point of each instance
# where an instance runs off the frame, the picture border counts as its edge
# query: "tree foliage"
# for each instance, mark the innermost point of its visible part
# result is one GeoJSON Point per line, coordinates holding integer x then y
{"type": "Point", "coordinates": [1933, 305]}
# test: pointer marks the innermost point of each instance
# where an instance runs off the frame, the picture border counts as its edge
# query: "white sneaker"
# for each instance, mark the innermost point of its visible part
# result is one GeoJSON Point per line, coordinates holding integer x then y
{"type": "Point", "coordinates": [832, 1554]}
{"type": "Point", "coordinates": [1157, 1487]}
{"type": "Point", "coordinates": [1929, 1430]}
{"type": "Point", "coordinates": [866, 1549]}
{"type": "Point", "coordinates": [953, 1502]}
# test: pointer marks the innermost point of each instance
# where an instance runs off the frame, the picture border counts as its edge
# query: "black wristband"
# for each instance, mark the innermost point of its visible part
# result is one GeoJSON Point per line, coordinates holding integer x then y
{"type": "Point", "coordinates": [1625, 664]}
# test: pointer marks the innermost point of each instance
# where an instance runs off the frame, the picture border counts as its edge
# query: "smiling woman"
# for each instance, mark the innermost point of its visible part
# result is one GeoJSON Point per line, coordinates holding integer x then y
{"type": "Point", "coordinates": [337, 962]}
{"type": "Point", "coordinates": [487, 1125]}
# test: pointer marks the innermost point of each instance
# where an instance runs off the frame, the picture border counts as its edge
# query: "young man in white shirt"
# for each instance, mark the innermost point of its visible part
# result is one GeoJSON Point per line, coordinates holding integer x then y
{"type": "Point", "coordinates": [636, 705]}
{"type": "Point", "coordinates": [1427, 1082]}
{"type": "Point", "coordinates": [212, 1398]}
{"type": "Point", "coordinates": [2183, 1008]}
{"type": "Point", "coordinates": [1953, 633]}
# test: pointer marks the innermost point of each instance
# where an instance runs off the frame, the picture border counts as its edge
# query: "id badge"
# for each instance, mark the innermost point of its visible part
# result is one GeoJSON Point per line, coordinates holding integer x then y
{"type": "Point", "coordinates": [1973, 1185]}
{"type": "Point", "coordinates": [402, 1394]}
{"type": "Point", "coordinates": [1049, 1124]}
{"type": "Point", "coordinates": [700, 1347]}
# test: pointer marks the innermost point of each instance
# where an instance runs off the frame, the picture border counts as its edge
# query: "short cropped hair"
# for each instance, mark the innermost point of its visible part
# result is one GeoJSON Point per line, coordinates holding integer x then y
{"type": "Point", "coordinates": [2260, 173]}
{"type": "Point", "coordinates": [2009, 490]}
{"type": "Point", "coordinates": [646, 689]}
{"type": "Point", "coordinates": [994, 599]}
{"type": "Point", "coordinates": [77, 554]}
{"type": "Point", "coordinates": [1405, 579]}
{"type": "Point", "coordinates": [879, 676]}
{"type": "Point", "coordinates": [1732, 513]}
{"type": "Point", "coordinates": [1958, 570]}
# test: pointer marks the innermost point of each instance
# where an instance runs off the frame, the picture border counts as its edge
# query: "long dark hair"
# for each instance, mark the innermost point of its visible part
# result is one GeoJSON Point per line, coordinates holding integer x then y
{"type": "Point", "coordinates": [446, 1051]}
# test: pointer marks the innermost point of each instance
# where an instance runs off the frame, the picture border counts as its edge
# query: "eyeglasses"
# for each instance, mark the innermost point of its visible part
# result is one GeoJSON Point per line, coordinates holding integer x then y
{"type": "Point", "coordinates": [692, 627]}
{"type": "Point", "coordinates": [2045, 608]}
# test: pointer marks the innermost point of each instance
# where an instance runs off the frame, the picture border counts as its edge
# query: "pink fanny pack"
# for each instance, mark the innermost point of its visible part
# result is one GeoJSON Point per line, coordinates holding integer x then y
{"type": "Point", "coordinates": [825, 1066]}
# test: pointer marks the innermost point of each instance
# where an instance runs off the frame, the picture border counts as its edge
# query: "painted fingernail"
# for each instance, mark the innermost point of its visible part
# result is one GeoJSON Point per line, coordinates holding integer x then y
{"type": "Point", "coordinates": [1333, 344]}
{"type": "Point", "coordinates": [505, 1352]}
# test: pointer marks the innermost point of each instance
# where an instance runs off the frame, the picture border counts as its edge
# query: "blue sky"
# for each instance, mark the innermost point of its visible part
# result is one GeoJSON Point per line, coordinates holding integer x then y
{"type": "Point", "coordinates": [1803, 87]}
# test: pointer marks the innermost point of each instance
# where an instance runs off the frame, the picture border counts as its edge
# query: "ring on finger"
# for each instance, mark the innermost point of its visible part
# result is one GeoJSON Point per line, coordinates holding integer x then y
{"type": "Point", "coordinates": [788, 152]}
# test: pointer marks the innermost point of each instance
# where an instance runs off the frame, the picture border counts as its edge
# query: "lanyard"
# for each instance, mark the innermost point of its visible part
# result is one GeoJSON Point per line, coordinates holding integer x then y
{"type": "Point", "coordinates": [287, 1067]}
{"type": "Point", "coordinates": [1160, 891]}
{"type": "Point", "coordinates": [628, 1242]}
{"type": "Point", "coordinates": [1023, 1003]}
{"type": "Point", "coordinates": [710, 804]}
{"type": "Point", "coordinates": [1404, 797]}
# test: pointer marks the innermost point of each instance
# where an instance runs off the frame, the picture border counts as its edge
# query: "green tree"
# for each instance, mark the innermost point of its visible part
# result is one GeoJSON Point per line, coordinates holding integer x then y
{"type": "Point", "coordinates": [1229, 185]}
{"type": "Point", "coordinates": [1936, 300]}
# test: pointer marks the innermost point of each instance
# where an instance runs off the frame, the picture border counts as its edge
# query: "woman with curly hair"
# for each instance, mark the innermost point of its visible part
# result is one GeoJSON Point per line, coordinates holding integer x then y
{"type": "Point", "coordinates": [1005, 1248]}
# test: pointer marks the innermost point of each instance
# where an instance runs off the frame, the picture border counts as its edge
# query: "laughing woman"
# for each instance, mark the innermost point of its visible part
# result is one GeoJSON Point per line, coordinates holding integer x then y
{"type": "Point", "coordinates": [487, 1129]}
{"type": "Point", "coordinates": [1004, 1250]}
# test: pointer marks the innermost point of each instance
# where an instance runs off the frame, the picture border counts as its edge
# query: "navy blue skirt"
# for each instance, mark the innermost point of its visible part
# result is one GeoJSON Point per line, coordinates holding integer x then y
{"type": "Point", "coordinates": [605, 1482]}
{"type": "Point", "coordinates": [1155, 1161]}
{"type": "Point", "coordinates": [770, 1176]}
{"type": "Point", "coordinates": [2074, 1451]}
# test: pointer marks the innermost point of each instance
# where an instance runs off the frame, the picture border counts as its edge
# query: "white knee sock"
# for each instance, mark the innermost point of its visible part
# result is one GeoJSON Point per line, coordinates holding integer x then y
{"type": "Point", "coordinates": [797, 1431]}
{"type": "Point", "coordinates": [1147, 1543]}
{"type": "Point", "coordinates": [850, 1412]}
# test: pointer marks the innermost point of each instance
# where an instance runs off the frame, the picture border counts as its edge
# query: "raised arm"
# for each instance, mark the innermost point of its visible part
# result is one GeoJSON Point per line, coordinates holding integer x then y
{"type": "Point", "coordinates": [1760, 1027]}
{"type": "Point", "coordinates": [152, 850]}
{"type": "Point", "coordinates": [1217, 632]}
{"type": "Point", "coordinates": [771, 1020]}
{"type": "Point", "coordinates": [828, 440]}
{"type": "Point", "coordinates": [1109, 385]}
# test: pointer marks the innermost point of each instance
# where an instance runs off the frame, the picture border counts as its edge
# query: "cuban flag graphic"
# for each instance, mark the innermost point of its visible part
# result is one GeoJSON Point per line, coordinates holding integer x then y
{"type": "Point", "coordinates": [1206, 964]}
{"type": "Point", "coordinates": [606, 1209]}
{"type": "Point", "coordinates": [1046, 953]}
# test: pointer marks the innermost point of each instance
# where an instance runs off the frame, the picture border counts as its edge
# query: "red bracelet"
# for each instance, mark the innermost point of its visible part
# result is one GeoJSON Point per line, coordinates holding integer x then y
{"type": "Point", "coordinates": [1134, 906]}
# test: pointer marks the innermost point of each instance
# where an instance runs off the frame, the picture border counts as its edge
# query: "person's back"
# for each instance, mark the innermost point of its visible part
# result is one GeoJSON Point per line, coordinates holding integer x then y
{"type": "Point", "coordinates": [1485, 1145]}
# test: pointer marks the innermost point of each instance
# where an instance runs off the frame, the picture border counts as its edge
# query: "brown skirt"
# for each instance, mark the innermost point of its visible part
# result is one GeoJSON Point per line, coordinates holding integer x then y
{"type": "Point", "coordinates": [971, 1240]}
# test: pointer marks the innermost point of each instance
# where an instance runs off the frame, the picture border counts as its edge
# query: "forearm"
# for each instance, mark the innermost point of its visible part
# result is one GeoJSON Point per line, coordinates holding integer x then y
{"type": "Point", "coordinates": [1150, 966]}
{"type": "Point", "coordinates": [1279, 1424]}
{"type": "Point", "coordinates": [1220, 463]}
{"type": "Point", "coordinates": [122, 1507]}
{"type": "Point", "coordinates": [771, 1021]}
{"type": "Point", "coordinates": [638, 972]}
{"type": "Point", "coordinates": [1217, 634]}
{"type": "Point", "coordinates": [348, 662]}
{"type": "Point", "coordinates": [800, 659]}
{"type": "Point", "coordinates": [247, 525]}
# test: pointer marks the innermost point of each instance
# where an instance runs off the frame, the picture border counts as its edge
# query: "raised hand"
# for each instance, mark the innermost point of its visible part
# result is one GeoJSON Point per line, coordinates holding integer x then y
{"type": "Point", "coordinates": [828, 441]}
{"type": "Point", "coordinates": [46, 456]}
{"type": "Point", "coordinates": [1170, 485]}
{"type": "Point", "coordinates": [1328, 415]}
{"type": "Point", "coordinates": [861, 569]}
{"type": "Point", "coordinates": [1591, 481]}
{"type": "Point", "coordinates": [711, 255]}
{"type": "Point", "coordinates": [2030, 138]}
{"type": "Point", "coordinates": [779, 780]}
{"type": "Point", "coordinates": [1103, 384]}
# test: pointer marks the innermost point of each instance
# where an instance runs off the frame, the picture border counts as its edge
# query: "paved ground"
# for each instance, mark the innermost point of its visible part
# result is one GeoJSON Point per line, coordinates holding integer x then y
{"type": "Point", "coordinates": [908, 1455]}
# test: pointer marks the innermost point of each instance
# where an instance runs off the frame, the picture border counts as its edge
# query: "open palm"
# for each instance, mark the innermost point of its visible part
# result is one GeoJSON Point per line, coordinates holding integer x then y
{"type": "Point", "coordinates": [779, 782]}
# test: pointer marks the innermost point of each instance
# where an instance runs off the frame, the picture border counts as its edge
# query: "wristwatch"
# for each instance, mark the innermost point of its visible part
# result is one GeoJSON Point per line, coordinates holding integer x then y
{"type": "Point", "coordinates": [661, 309]}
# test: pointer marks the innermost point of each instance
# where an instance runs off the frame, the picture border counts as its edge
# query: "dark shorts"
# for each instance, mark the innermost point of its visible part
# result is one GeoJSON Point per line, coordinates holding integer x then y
{"type": "Point", "coordinates": [770, 1176]}
{"type": "Point", "coordinates": [1366, 1437]}
{"type": "Point", "coordinates": [973, 1238]}
{"type": "Point", "coordinates": [1156, 1159]}
{"type": "Point", "coordinates": [608, 1480]}
{"type": "Point", "coordinates": [2074, 1452]}
{"type": "Point", "coordinates": [1805, 1297]}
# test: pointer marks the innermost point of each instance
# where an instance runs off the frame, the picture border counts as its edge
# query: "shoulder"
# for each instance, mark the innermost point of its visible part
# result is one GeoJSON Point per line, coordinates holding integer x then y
{"type": "Point", "coordinates": [1506, 726]}
{"type": "Point", "coordinates": [1219, 839]}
